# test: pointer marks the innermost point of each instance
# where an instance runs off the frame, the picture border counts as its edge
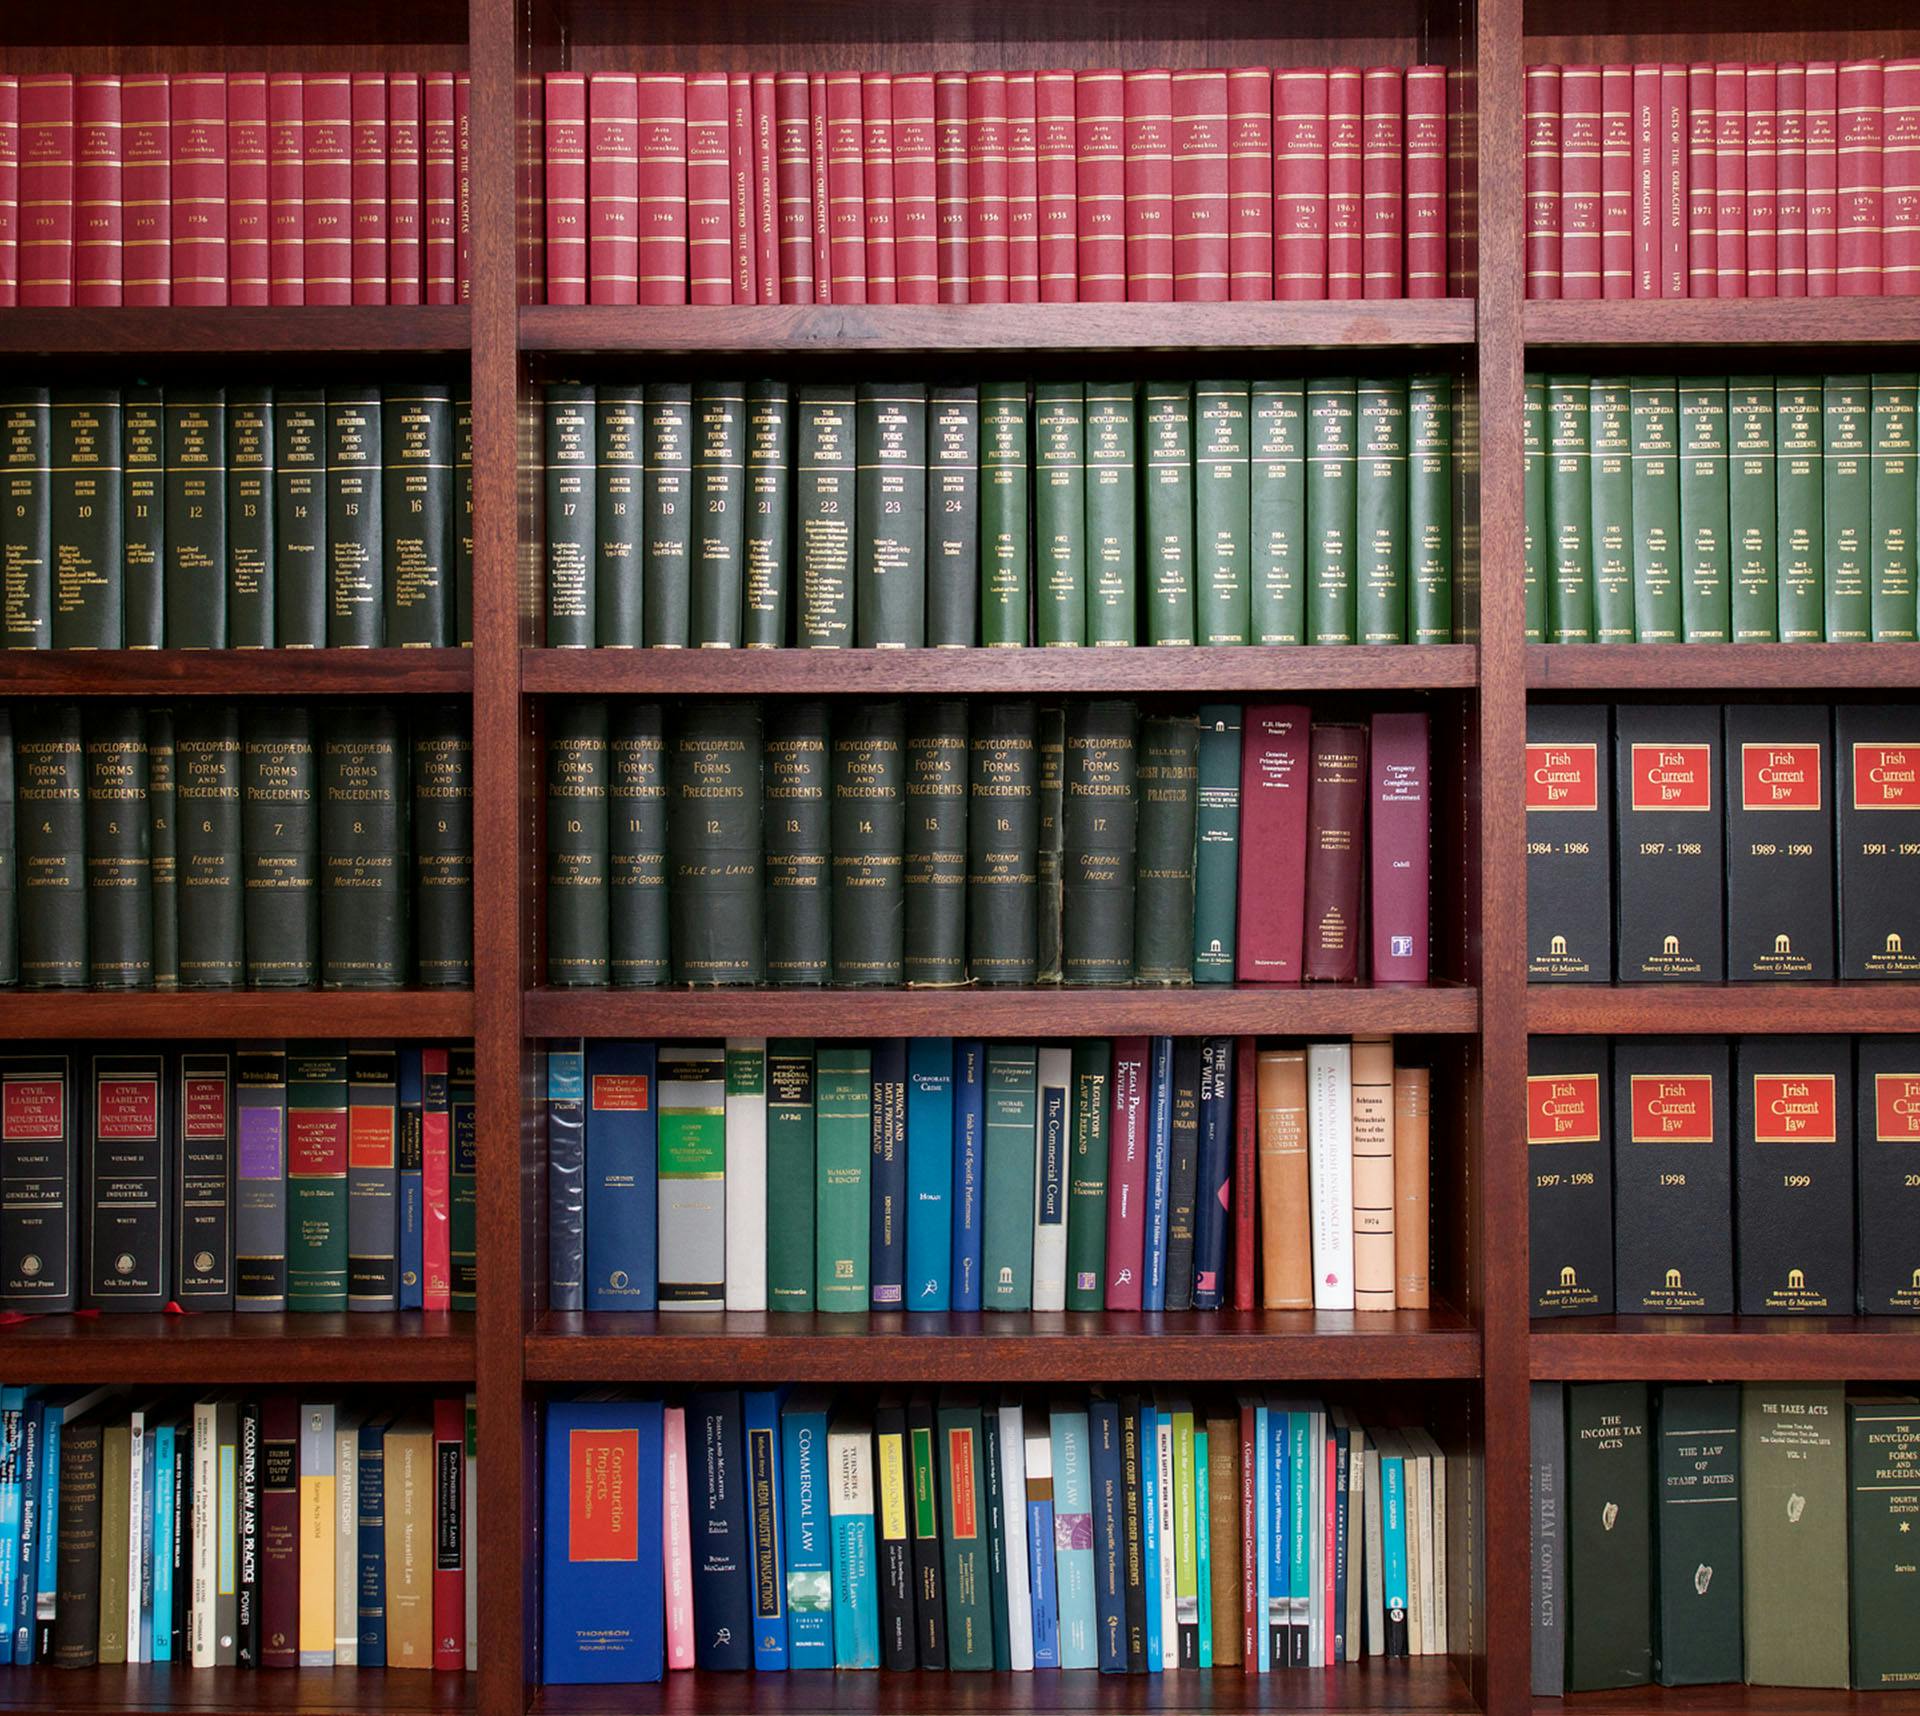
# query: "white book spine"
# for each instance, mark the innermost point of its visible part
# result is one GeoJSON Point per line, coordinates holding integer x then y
{"type": "Point", "coordinates": [1052, 1153]}
{"type": "Point", "coordinates": [1013, 1511]}
{"type": "Point", "coordinates": [1169, 1550]}
{"type": "Point", "coordinates": [1439, 1544]}
{"type": "Point", "coordinates": [1429, 1610]}
{"type": "Point", "coordinates": [200, 1610]}
{"type": "Point", "coordinates": [1330, 1173]}
{"type": "Point", "coordinates": [1376, 1558]}
{"type": "Point", "coordinates": [746, 1173]}
{"type": "Point", "coordinates": [136, 1527]}
{"type": "Point", "coordinates": [346, 1545]}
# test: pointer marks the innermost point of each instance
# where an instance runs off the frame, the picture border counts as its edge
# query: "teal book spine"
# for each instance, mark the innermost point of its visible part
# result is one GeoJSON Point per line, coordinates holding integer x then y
{"type": "Point", "coordinates": [1277, 504]}
{"type": "Point", "coordinates": [571, 492]}
{"type": "Point", "coordinates": [1332, 442]}
{"type": "Point", "coordinates": [824, 487]}
{"type": "Point", "coordinates": [1752, 523]}
{"type": "Point", "coordinates": [1216, 855]}
{"type": "Point", "coordinates": [1610, 481]}
{"type": "Point", "coordinates": [1167, 511]}
{"type": "Point", "coordinates": [1112, 515]}
{"type": "Point", "coordinates": [666, 564]}
{"type": "Point", "coordinates": [1533, 464]}
{"type": "Point", "coordinates": [1430, 513]}
{"type": "Point", "coordinates": [953, 517]}
{"type": "Point", "coordinates": [1846, 491]}
{"type": "Point", "coordinates": [1799, 501]}
{"type": "Point", "coordinates": [1892, 509]}
{"type": "Point", "coordinates": [1004, 523]}
{"type": "Point", "coordinates": [1222, 519]}
{"type": "Point", "coordinates": [1569, 513]}
{"type": "Point", "coordinates": [620, 426]}
{"type": "Point", "coordinates": [1656, 509]}
{"type": "Point", "coordinates": [1006, 1257]}
{"type": "Point", "coordinates": [769, 511]}
{"type": "Point", "coordinates": [1059, 513]}
{"type": "Point", "coordinates": [86, 540]}
{"type": "Point", "coordinates": [719, 513]}
{"type": "Point", "coordinates": [1380, 513]}
{"type": "Point", "coordinates": [1706, 603]}
{"type": "Point", "coordinates": [890, 507]}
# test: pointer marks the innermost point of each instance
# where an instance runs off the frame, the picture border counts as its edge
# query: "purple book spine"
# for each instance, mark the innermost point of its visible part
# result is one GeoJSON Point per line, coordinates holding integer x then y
{"type": "Point", "coordinates": [1401, 798]}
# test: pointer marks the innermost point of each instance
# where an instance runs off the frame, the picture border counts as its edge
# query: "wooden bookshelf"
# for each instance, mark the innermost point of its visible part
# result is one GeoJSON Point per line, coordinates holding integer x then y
{"type": "Point", "coordinates": [1751, 669]}
{"type": "Point", "coordinates": [1722, 1009]}
{"type": "Point", "coordinates": [211, 1013]}
{"type": "Point", "coordinates": [1788, 325]}
{"type": "Point", "coordinates": [172, 674]}
{"type": "Point", "coordinates": [238, 1692]}
{"type": "Point", "coordinates": [1726, 1349]}
{"type": "Point", "coordinates": [401, 1347]}
{"type": "Point", "coordinates": [297, 334]}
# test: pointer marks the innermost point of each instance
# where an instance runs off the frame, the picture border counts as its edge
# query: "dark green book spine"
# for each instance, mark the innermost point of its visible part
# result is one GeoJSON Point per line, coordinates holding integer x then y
{"type": "Point", "coordinates": [416, 511]}
{"type": "Point", "coordinates": [143, 516]}
{"type": "Point", "coordinates": [119, 874]}
{"type": "Point", "coordinates": [1846, 494]}
{"type": "Point", "coordinates": [620, 426]}
{"type": "Point", "coordinates": [250, 531]}
{"type": "Point", "coordinates": [936, 866]}
{"type": "Point", "coordinates": [869, 843]}
{"type": "Point", "coordinates": [1610, 481]}
{"type": "Point", "coordinates": [86, 540]}
{"type": "Point", "coordinates": [1706, 601]}
{"type": "Point", "coordinates": [666, 568]}
{"type": "Point", "coordinates": [280, 848]}
{"type": "Point", "coordinates": [890, 515]}
{"type": "Point", "coordinates": [1752, 535]}
{"type": "Point", "coordinates": [196, 507]}
{"type": "Point", "coordinates": [719, 513]}
{"type": "Point", "coordinates": [824, 496]}
{"type": "Point", "coordinates": [1050, 741]}
{"type": "Point", "coordinates": [1060, 513]}
{"type": "Point", "coordinates": [953, 517]}
{"type": "Point", "coordinates": [1167, 511]}
{"type": "Point", "coordinates": [441, 775]}
{"type": "Point", "coordinates": [9, 860]}
{"type": "Point", "coordinates": [1332, 440]}
{"type": "Point", "coordinates": [1111, 531]}
{"type": "Point", "coordinates": [364, 861]}
{"type": "Point", "coordinates": [1892, 508]}
{"type": "Point", "coordinates": [299, 517]}
{"type": "Point", "coordinates": [790, 1174]}
{"type": "Point", "coordinates": [26, 520]}
{"type": "Point", "coordinates": [1609, 1606]}
{"type": "Point", "coordinates": [1222, 519]}
{"type": "Point", "coordinates": [637, 845]}
{"type": "Point", "coordinates": [163, 849]}
{"type": "Point", "coordinates": [1656, 510]}
{"type": "Point", "coordinates": [1380, 513]}
{"type": "Point", "coordinates": [356, 600]}
{"type": "Point", "coordinates": [1277, 529]}
{"type": "Point", "coordinates": [1216, 858]}
{"type": "Point", "coordinates": [799, 843]}
{"type": "Point", "coordinates": [714, 821]}
{"type": "Point", "coordinates": [1003, 832]}
{"type": "Point", "coordinates": [1697, 1533]}
{"type": "Point", "coordinates": [1430, 509]}
{"type": "Point", "coordinates": [207, 803]}
{"type": "Point", "coordinates": [578, 925]}
{"type": "Point", "coordinates": [1087, 1176]}
{"type": "Point", "coordinates": [769, 499]}
{"type": "Point", "coordinates": [1535, 543]}
{"type": "Point", "coordinates": [1569, 512]}
{"type": "Point", "coordinates": [1003, 514]}
{"type": "Point", "coordinates": [1799, 494]}
{"type": "Point", "coordinates": [1098, 829]}
{"type": "Point", "coordinates": [463, 521]}
{"type": "Point", "coordinates": [50, 815]}
{"type": "Point", "coordinates": [1163, 893]}
{"type": "Point", "coordinates": [572, 533]}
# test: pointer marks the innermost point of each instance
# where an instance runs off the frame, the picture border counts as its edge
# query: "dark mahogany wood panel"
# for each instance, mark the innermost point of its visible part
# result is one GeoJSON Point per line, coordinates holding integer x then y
{"type": "Point", "coordinates": [206, 1013]}
{"type": "Point", "coordinates": [220, 1347]}
{"type": "Point", "coordinates": [1826, 323]}
{"type": "Point", "coordinates": [421, 330]}
{"type": "Point", "coordinates": [1577, 31]}
{"type": "Point", "coordinates": [236, 1691]}
{"type": "Point", "coordinates": [1733, 1701]}
{"type": "Point", "coordinates": [1890, 667]}
{"type": "Point", "coordinates": [1574, 1010]}
{"type": "Point", "coordinates": [175, 673]}
{"type": "Point", "coordinates": [300, 35]}
{"type": "Point", "coordinates": [1727, 1349]}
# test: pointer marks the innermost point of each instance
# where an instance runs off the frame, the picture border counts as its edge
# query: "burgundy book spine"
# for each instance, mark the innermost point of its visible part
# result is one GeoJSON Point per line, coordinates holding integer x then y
{"type": "Point", "coordinates": [1056, 190]}
{"type": "Point", "coordinates": [1149, 181]}
{"type": "Point", "coordinates": [1703, 209]}
{"type": "Point", "coordinates": [442, 195]}
{"type": "Point", "coordinates": [327, 189]}
{"type": "Point", "coordinates": [1201, 237]}
{"type": "Point", "coordinates": [876, 180]}
{"type": "Point", "coordinates": [1246, 1159]}
{"type": "Point", "coordinates": [1730, 181]}
{"type": "Point", "coordinates": [279, 1532]}
{"type": "Point", "coordinates": [1616, 182]}
{"type": "Point", "coordinates": [1336, 852]}
{"type": "Point", "coordinates": [1543, 181]}
{"type": "Point", "coordinates": [450, 1570]}
{"type": "Point", "coordinates": [405, 250]}
{"type": "Point", "coordinates": [46, 189]}
{"type": "Point", "coordinates": [1100, 184]}
{"type": "Point", "coordinates": [846, 210]}
{"type": "Point", "coordinates": [643, 138]}
{"type": "Point", "coordinates": [1790, 177]}
{"type": "Point", "coordinates": [1399, 844]}
{"type": "Point", "coordinates": [1823, 178]}
{"type": "Point", "coordinates": [369, 188]}
{"type": "Point", "coordinates": [200, 188]}
{"type": "Point", "coordinates": [1345, 186]}
{"type": "Point", "coordinates": [916, 209]}
{"type": "Point", "coordinates": [1250, 184]}
{"type": "Point", "coordinates": [740, 185]}
{"type": "Point", "coordinates": [1900, 168]}
{"type": "Point", "coordinates": [1580, 187]}
{"type": "Point", "coordinates": [1382, 182]}
{"type": "Point", "coordinates": [249, 209]}
{"type": "Point", "coordinates": [1858, 255]}
{"type": "Point", "coordinates": [793, 179]}
{"type": "Point", "coordinates": [1673, 161]}
{"type": "Point", "coordinates": [1023, 189]}
{"type": "Point", "coordinates": [1273, 842]}
{"type": "Point", "coordinates": [566, 136]}
{"type": "Point", "coordinates": [987, 187]}
{"type": "Point", "coordinates": [1426, 196]}
{"type": "Point", "coordinates": [146, 190]}
{"type": "Point", "coordinates": [98, 215]}
{"type": "Point", "coordinates": [1299, 185]}
{"type": "Point", "coordinates": [709, 196]}
{"type": "Point", "coordinates": [1763, 165]}
{"type": "Point", "coordinates": [766, 207]}
{"type": "Point", "coordinates": [462, 188]}
{"type": "Point", "coordinates": [1646, 181]}
{"type": "Point", "coordinates": [9, 190]}
{"type": "Point", "coordinates": [1127, 1174]}
{"type": "Point", "coordinates": [820, 186]}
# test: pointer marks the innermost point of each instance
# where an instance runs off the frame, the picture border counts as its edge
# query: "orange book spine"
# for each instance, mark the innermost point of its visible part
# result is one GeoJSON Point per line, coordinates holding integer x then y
{"type": "Point", "coordinates": [1285, 1249]}
{"type": "Point", "coordinates": [1412, 1100]}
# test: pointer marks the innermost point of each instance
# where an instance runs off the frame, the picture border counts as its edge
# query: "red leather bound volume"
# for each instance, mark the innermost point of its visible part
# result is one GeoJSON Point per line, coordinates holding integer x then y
{"type": "Point", "coordinates": [1823, 178]}
{"type": "Point", "coordinates": [1127, 1174]}
{"type": "Point", "coordinates": [1023, 190]}
{"type": "Point", "coordinates": [449, 1533]}
{"type": "Point", "coordinates": [200, 188]}
{"type": "Point", "coordinates": [97, 193]}
{"type": "Point", "coordinates": [1703, 209]}
{"type": "Point", "coordinates": [822, 211]}
{"type": "Point", "coordinates": [369, 188]}
{"type": "Point", "coordinates": [793, 180]}
{"type": "Point", "coordinates": [1336, 847]}
{"type": "Point", "coordinates": [1346, 188]}
{"type": "Point", "coordinates": [442, 196]}
{"type": "Point", "coordinates": [146, 190]}
{"type": "Point", "coordinates": [1382, 183]}
{"type": "Point", "coordinates": [1246, 1156]}
{"type": "Point", "coordinates": [950, 182]}
{"type": "Point", "coordinates": [9, 190]}
{"type": "Point", "coordinates": [1100, 181]}
{"type": "Point", "coordinates": [1273, 842]}
{"type": "Point", "coordinates": [1399, 846]}
{"type": "Point", "coordinates": [1543, 181]}
{"type": "Point", "coordinates": [766, 209]}
{"type": "Point", "coordinates": [1426, 204]}
{"type": "Point", "coordinates": [709, 190]}
{"type": "Point", "coordinates": [1790, 178]}
{"type": "Point", "coordinates": [279, 1532]}
{"type": "Point", "coordinates": [405, 250]}
{"type": "Point", "coordinates": [1250, 94]}
{"type": "Point", "coordinates": [327, 189]}
{"type": "Point", "coordinates": [987, 187]}
{"type": "Point", "coordinates": [1149, 181]}
{"type": "Point", "coordinates": [46, 189]}
{"type": "Point", "coordinates": [1056, 192]}
{"type": "Point", "coordinates": [463, 188]}
{"type": "Point", "coordinates": [636, 189]}
{"type": "Point", "coordinates": [249, 215]}
{"type": "Point", "coordinates": [876, 179]}
{"type": "Point", "coordinates": [1201, 237]}
{"type": "Point", "coordinates": [1616, 182]}
{"type": "Point", "coordinates": [436, 1189]}
{"type": "Point", "coordinates": [1861, 89]}
{"type": "Point", "coordinates": [1647, 140]}
{"type": "Point", "coordinates": [1673, 227]}
{"type": "Point", "coordinates": [1580, 181]}
{"type": "Point", "coordinates": [916, 209]}
{"type": "Point", "coordinates": [1730, 181]}
{"type": "Point", "coordinates": [566, 138]}
{"type": "Point", "coordinates": [846, 206]}
{"type": "Point", "coordinates": [1763, 207]}
{"type": "Point", "coordinates": [740, 184]}
{"type": "Point", "coordinates": [1299, 184]}
{"type": "Point", "coordinates": [1900, 169]}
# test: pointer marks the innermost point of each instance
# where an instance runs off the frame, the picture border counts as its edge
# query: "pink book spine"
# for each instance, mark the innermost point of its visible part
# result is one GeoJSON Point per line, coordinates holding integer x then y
{"type": "Point", "coordinates": [200, 274]}
{"type": "Point", "coordinates": [1763, 166]}
{"type": "Point", "coordinates": [9, 190]}
{"type": "Point", "coordinates": [1273, 843]}
{"type": "Point", "coordinates": [1100, 184]}
{"type": "Point", "coordinates": [1149, 179]}
{"type": "Point", "coordinates": [950, 183]}
{"type": "Point", "coordinates": [1426, 207]}
{"type": "Point", "coordinates": [249, 177]}
{"type": "Point", "coordinates": [817, 108]}
{"type": "Point", "coordinates": [566, 138]}
{"type": "Point", "coordinates": [1299, 185]}
{"type": "Point", "coordinates": [987, 187]}
{"type": "Point", "coordinates": [1790, 174]}
{"type": "Point", "coordinates": [916, 208]}
{"type": "Point", "coordinates": [46, 190]}
{"type": "Point", "coordinates": [369, 188]}
{"type": "Point", "coordinates": [1056, 187]}
{"type": "Point", "coordinates": [1823, 181]}
{"type": "Point", "coordinates": [766, 208]}
{"type": "Point", "coordinates": [1730, 181]}
{"type": "Point", "coordinates": [328, 190]}
{"type": "Point", "coordinates": [462, 189]}
{"type": "Point", "coordinates": [677, 1540]}
{"type": "Point", "coordinates": [1703, 211]}
{"type": "Point", "coordinates": [1383, 183]}
{"type": "Point", "coordinates": [436, 1192]}
{"type": "Point", "coordinates": [1127, 1174]}
{"type": "Point", "coordinates": [1673, 161]}
{"type": "Point", "coordinates": [1023, 190]}
{"type": "Point", "coordinates": [1201, 237]}
{"type": "Point", "coordinates": [1861, 87]}
{"type": "Point", "coordinates": [442, 197]}
{"type": "Point", "coordinates": [1543, 181]}
{"type": "Point", "coordinates": [1646, 181]}
{"type": "Point", "coordinates": [146, 189]}
{"type": "Point", "coordinates": [1616, 182]}
{"type": "Point", "coordinates": [1246, 1148]}
{"type": "Point", "coordinates": [793, 172]}
{"type": "Point", "coordinates": [846, 197]}
{"type": "Point", "coordinates": [643, 143]}
{"type": "Point", "coordinates": [1398, 847]}
{"type": "Point", "coordinates": [405, 249]}
{"type": "Point", "coordinates": [1580, 181]}
{"type": "Point", "coordinates": [1345, 185]}
{"type": "Point", "coordinates": [98, 215]}
{"type": "Point", "coordinates": [740, 185]}
{"type": "Point", "coordinates": [709, 195]}
{"type": "Point", "coordinates": [876, 179]}
{"type": "Point", "coordinates": [1900, 166]}
{"type": "Point", "coordinates": [1250, 184]}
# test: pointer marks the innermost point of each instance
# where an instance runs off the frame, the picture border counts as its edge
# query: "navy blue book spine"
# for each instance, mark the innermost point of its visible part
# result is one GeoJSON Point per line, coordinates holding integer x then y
{"type": "Point", "coordinates": [371, 1471]}
{"type": "Point", "coordinates": [722, 1578]}
{"type": "Point", "coordinates": [1153, 1291]}
{"type": "Point", "coordinates": [887, 1185]}
{"type": "Point", "coordinates": [622, 1190]}
{"type": "Point", "coordinates": [1216, 1174]}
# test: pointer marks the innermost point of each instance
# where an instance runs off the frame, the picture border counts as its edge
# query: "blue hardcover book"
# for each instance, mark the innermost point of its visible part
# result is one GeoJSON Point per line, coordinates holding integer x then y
{"type": "Point", "coordinates": [856, 1583]}
{"type": "Point", "coordinates": [1153, 1289]}
{"type": "Point", "coordinates": [410, 1154]}
{"type": "Point", "coordinates": [1263, 1531]}
{"type": "Point", "coordinates": [622, 1178]}
{"type": "Point", "coordinates": [370, 1474]}
{"type": "Point", "coordinates": [887, 1183]}
{"type": "Point", "coordinates": [605, 1585]}
{"type": "Point", "coordinates": [969, 1155]}
{"type": "Point", "coordinates": [1150, 1527]}
{"type": "Point", "coordinates": [1393, 1540]}
{"type": "Point", "coordinates": [765, 1531]}
{"type": "Point", "coordinates": [1215, 1174]}
{"type": "Point", "coordinates": [1042, 1587]}
{"type": "Point", "coordinates": [1300, 1522]}
{"type": "Point", "coordinates": [722, 1595]}
{"type": "Point", "coordinates": [1109, 1533]}
{"type": "Point", "coordinates": [566, 1175]}
{"type": "Point", "coordinates": [808, 1538]}
{"type": "Point", "coordinates": [19, 1621]}
{"type": "Point", "coordinates": [1203, 1544]}
{"type": "Point", "coordinates": [46, 1583]}
{"type": "Point", "coordinates": [156, 1626]}
{"type": "Point", "coordinates": [929, 1173]}
{"type": "Point", "coordinates": [1278, 1547]}
{"type": "Point", "coordinates": [1073, 1537]}
{"type": "Point", "coordinates": [13, 1402]}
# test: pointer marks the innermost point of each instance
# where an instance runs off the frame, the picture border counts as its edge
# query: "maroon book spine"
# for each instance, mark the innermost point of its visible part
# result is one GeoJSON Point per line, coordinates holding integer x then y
{"type": "Point", "coordinates": [279, 1532]}
{"type": "Point", "coordinates": [146, 190]}
{"type": "Point", "coordinates": [1823, 180]}
{"type": "Point", "coordinates": [822, 211]}
{"type": "Point", "coordinates": [1346, 188]}
{"type": "Point", "coordinates": [1127, 1174]}
{"type": "Point", "coordinates": [950, 183]}
{"type": "Point", "coordinates": [249, 178]}
{"type": "Point", "coordinates": [916, 209]}
{"type": "Point", "coordinates": [369, 188]}
{"type": "Point", "coordinates": [1703, 209]}
{"type": "Point", "coordinates": [1056, 193]}
{"type": "Point", "coordinates": [793, 175]}
{"type": "Point", "coordinates": [46, 189]}
{"type": "Point", "coordinates": [453, 1557]}
{"type": "Point", "coordinates": [1382, 182]}
{"type": "Point", "coordinates": [462, 188]}
{"type": "Point", "coordinates": [846, 210]}
{"type": "Point", "coordinates": [740, 185]}
{"type": "Point", "coordinates": [1790, 175]}
{"type": "Point", "coordinates": [1100, 184]}
{"type": "Point", "coordinates": [1730, 181]}
{"type": "Point", "coordinates": [200, 188]}
{"type": "Point", "coordinates": [406, 269]}
{"type": "Point", "coordinates": [1673, 162]}
{"type": "Point", "coordinates": [1580, 189]}
{"type": "Point", "coordinates": [1543, 181]}
{"type": "Point", "coordinates": [566, 136]}
{"type": "Point", "coordinates": [1336, 849]}
{"type": "Point", "coordinates": [1616, 182]}
{"type": "Point", "coordinates": [876, 180]}
{"type": "Point", "coordinates": [98, 215]}
{"type": "Point", "coordinates": [1023, 190]}
{"type": "Point", "coordinates": [1201, 237]}
{"type": "Point", "coordinates": [1399, 842]}
{"type": "Point", "coordinates": [766, 208]}
{"type": "Point", "coordinates": [1861, 90]}
{"type": "Point", "coordinates": [1246, 1158]}
{"type": "Point", "coordinates": [709, 196]}
{"type": "Point", "coordinates": [637, 149]}
{"type": "Point", "coordinates": [1763, 165]}
{"type": "Point", "coordinates": [1273, 842]}
{"type": "Point", "coordinates": [986, 187]}
{"type": "Point", "coordinates": [1149, 182]}
{"type": "Point", "coordinates": [1299, 185]}
{"type": "Point", "coordinates": [1426, 190]}
{"type": "Point", "coordinates": [1250, 92]}
{"type": "Point", "coordinates": [1900, 167]}
{"type": "Point", "coordinates": [327, 194]}
{"type": "Point", "coordinates": [286, 173]}
{"type": "Point", "coordinates": [9, 190]}
{"type": "Point", "coordinates": [1646, 181]}
{"type": "Point", "coordinates": [439, 204]}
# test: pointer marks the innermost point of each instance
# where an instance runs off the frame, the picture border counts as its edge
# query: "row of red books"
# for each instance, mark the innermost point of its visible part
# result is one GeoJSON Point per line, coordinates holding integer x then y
{"type": "Point", "coordinates": [1724, 181]}
{"type": "Point", "coordinates": [996, 187]}
{"type": "Point", "coordinates": [234, 188]}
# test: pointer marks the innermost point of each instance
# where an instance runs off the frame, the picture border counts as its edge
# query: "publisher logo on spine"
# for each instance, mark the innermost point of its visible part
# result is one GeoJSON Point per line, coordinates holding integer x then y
{"type": "Point", "coordinates": [1794, 1108]}
{"type": "Point", "coordinates": [1896, 1107]}
{"type": "Point", "coordinates": [1886, 777]}
{"type": "Point", "coordinates": [1563, 777]}
{"type": "Point", "coordinates": [1673, 777]}
{"type": "Point", "coordinates": [1672, 1108]}
{"type": "Point", "coordinates": [1563, 1108]}
{"type": "Point", "coordinates": [1780, 777]}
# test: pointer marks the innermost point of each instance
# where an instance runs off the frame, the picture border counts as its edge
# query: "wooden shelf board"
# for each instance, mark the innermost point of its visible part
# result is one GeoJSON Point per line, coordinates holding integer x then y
{"type": "Point", "coordinates": [45, 1014]}
{"type": "Point", "coordinates": [1731, 1349]}
{"type": "Point", "coordinates": [1720, 1009]}
{"type": "Point", "coordinates": [235, 1691]}
{"type": "Point", "coordinates": [177, 331]}
{"type": "Point", "coordinates": [1723, 667]}
{"type": "Point", "coordinates": [1719, 323]}
{"type": "Point", "coordinates": [175, 673]}
{"type": "Point", "coordinates": [1035, 1346]}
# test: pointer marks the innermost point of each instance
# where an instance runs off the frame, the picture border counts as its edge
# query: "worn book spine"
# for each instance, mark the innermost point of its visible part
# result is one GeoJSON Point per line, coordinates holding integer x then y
{"type": "Point", "coordinates": [416, 512]}
{"type": "Point", "coordinates": [719, 514]}
{"type": "Point", "coordinates": [1336, 844]}
{"type": "Point", "coordinates": [250, 529]}
{"type": "Point", "coordinates": [714, 824]}
{"type": "Point", "coordinates": [1696, 1640]}
{"type": "Point", "coordinates": [767, 571]}
{"type": "Point", "coordinates": [1672, 1178]}
{"type": "Point", "coordinates": [935, 869]}
{"type": "Point", "coordinates": [208, 783]}
{"type": "Point", "coordinates": [1380, 538]}
{"type": "Point", "coordinates": [1059, 513]}
{"type": "Point", "coordinates": [825, 490]}
{"type": "Point", "coordinates": [1846, 504]}
{"type": "Point", "coordinates": [1050, 740]}
{"type": "Point", "coordinates": [299, 517]}
{"type": "Point", "coordinates": [86, 540]}
{"type": "Point", "coordinates": [1004, 525]}
{"type": "Point", "coordinates": [636, 846]}
{"type": "Point", "coordinates": [1167, 776]}
{"type": "Point", "coordinates": [1800, 485]}
{"type": "Point", "coordinates": [1706, 608]}
{"type": "Point", "coordinates": [1569, 512]}
{"type": "Point", "coordinates": [356, 577]}
{"type": "Point", "coordinates": [118, 845]}
{"type": "Point", "coordinates": [142, 515]}
{"type": "Point", "coordinates": [869, 844]}
{"type": "Point", "coordinates": [1277, 533]}
{"type": "Point", "coordinates": [1892, 508]}
{"type": "Point", "coordinates": [1610, 481]}
{"type": "Point", "coordinates": [196, 517]}
{"type": "Point", "coordinates": [1216, 861]}
{"type": "Point", "coordinates": [890, 507]}
{"type": "Point", "coordinates": [364, 859]}
{"type": "Point", "coordinates": [1167, 511]}
{"type": "Point", "coordinates": [1752, 521]}
{"type": "Point", "coordinates": [1534, 542]}
{"type": "Point", "coordinates": [798, 843]}
{"type": "Point", "coordinates": [666, 575]}
{"type": "Point", "coordinates": [1002, 843]}
{"type": "Point", "coordinates": [1098, 844]}
{"type": "Point", "coordinates": [1793, 1534]}
{"type": "Point", "coordinates": [1111, 517]}
{"type": "Point", "coordinates": [1332, 445]}
{"type": "Point", "coordinates": [1610, 1549]}
{"type": "Point", "coordinates": [578, 922]}
{"type": "Point", "coordinates": [1222, 500]}
{"type": "Point", "coordinates": [953, 517]}
{"type": "Point", "coordinates": [619, 494]}
{"type": "Point", "coordinates": [162, 803]}
{"type": "Point", "coordinates": [441, 778]}
{"type": "Point", "coordinates": [280, 848]}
